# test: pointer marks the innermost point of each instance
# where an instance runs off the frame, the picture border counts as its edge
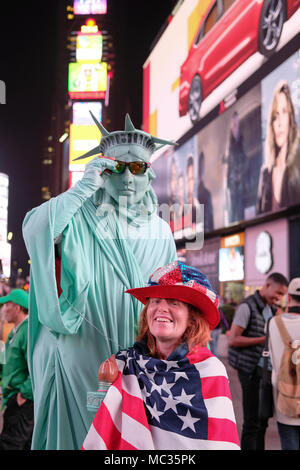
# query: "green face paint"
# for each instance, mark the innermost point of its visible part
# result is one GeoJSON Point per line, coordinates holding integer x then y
{"type": "Point", "coordinates": [126, 184]}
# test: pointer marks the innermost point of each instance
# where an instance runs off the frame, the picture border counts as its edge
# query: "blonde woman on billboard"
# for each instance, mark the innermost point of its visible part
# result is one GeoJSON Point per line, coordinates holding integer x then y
{"type": "Point", "coordinates": [279, 184]}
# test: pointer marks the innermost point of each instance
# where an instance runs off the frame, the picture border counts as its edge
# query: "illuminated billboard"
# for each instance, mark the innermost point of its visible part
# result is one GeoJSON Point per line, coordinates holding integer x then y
{"type": "Point", "coordinates": [203, 56]}
{"type": "Point", "coordinates": [5, 256]}
{"type": "Point", "coordinates": [82, 139]}
{"type": "Point", "coordinates": [90, 7]}
{"type": "Point", "coordinates": [231, 264]}
{"type": "Point", "coordinates": [81, 112]}
{"type": "Point", "coordinates": [231, 164]}
{"type": "Point", "coordinates": [87, 80]}
{"type": "Point", "coordinates": [74, 177]}
{"type": "Point", "coordinates": [89, 47]}
{"type": "Point", "coordinates": [4, 181]}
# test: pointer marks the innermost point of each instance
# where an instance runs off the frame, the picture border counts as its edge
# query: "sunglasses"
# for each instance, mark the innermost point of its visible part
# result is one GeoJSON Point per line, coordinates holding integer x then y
{"type": "Point", "coordinates": [136, 168]}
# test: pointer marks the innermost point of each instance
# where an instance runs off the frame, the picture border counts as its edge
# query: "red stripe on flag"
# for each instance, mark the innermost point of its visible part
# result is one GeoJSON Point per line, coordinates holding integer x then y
{"type": "Point", "coordinates": [222, 430]}
{"type": "Point", "coordinates": [199, 354]}
{"type": "Point", "coordinates": [132, 405]}
{"type": "Point", "coordinates": [106, 428]}
{"type": "Point", "coordinates": [216, 386]}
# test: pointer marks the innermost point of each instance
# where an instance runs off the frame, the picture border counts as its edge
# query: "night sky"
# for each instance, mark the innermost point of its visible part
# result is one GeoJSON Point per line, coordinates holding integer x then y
{"type": "Point", "coordinates": [27, 66]}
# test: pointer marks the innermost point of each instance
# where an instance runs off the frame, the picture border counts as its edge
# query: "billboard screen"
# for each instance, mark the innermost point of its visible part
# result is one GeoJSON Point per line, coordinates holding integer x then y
{"type": "Point", "coordinates": [231, 264]}
{"type": "Point", "coordinates": [4, 182]}
{"type": "Point", "coordinates": [75, 176]}
{"type": "Point", "coordinates": [89, 47]}
{"type": "Point", "coordinates": [5, 256]}
{"type": "Point", "coordinates": [82, 139]}
{"type": "Point", "coordinates": [81, 112]}
{"type": "Point", "coordinates": [90, 7]}
{"type": "Point", "coordinates": [215, 47]}
{"type": "Point", "coordinates": [87, 78]}
{"type": "Point", "coordinates": [243, 163]}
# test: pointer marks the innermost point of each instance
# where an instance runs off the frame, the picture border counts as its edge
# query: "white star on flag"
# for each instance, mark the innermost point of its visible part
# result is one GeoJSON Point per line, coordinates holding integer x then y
{"type": "Point", "coordinates": [155, 412]}
{"type": "Point", "coordinates": [143, 362]}
{"type": "Point", "coordinates": [185, 398]}
{"type": "Point", "coordinates": [170, 365]}
{"type": "Point", "coordinates": [181, 374]}
{"type": "Point", "coordinates": [188, 421]}
{"type": "Point", "coordinates": [170, 404]}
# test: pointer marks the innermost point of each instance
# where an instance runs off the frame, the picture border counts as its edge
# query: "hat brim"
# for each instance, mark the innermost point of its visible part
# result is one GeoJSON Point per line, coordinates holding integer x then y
{"type": "Point", "coordinates": [10, 298]}
{"type": "Point", "coordinates": [184, 294]}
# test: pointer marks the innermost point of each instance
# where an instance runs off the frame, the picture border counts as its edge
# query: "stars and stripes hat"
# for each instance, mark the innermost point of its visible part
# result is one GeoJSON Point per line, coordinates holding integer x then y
{"type": "Point", "coordinates": [185, 283]}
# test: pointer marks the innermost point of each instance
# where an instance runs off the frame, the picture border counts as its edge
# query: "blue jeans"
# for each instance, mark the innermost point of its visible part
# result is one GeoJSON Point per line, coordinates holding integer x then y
{"type": "Point", "coordinates": [289, 436]}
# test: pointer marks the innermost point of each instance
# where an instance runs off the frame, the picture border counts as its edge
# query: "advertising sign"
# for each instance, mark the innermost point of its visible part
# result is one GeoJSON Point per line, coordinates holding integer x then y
{"type": "Point", "coordinates": [89, 47]}
{"type": "Point", "coordinates": [209, 49]}
{"type": "Point", "coordinates": [4, 181]}
{"type": "Point", "coordinates": [87, 79]}
{"type": "Point", "coordinates": [218, 167]}
{"type": "Point", "coordinates": [75, 176]}
{"type": "Point", "coordinates": [5, 256]}
{"type": "Point", "coordinates": [246, 160]}
{"type": "Point", "coordinates": [279, 183]}
{"type": "Point", "coordinates": [90, 7]}
{"type": "Point", "coordinates": [81, 112]}
{"type": "Point", "coordinates": [82, 139]}
{"type": "Point", "coordinates": [231, 258]}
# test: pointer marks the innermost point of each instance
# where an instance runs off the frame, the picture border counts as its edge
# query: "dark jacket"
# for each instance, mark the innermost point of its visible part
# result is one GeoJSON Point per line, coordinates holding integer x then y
{"type": "Point", "coordinates": [246, 359]}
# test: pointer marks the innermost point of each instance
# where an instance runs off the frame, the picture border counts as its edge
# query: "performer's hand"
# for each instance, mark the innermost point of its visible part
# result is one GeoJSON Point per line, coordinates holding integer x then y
{"type": "Point", "coordinates": [96, 171]}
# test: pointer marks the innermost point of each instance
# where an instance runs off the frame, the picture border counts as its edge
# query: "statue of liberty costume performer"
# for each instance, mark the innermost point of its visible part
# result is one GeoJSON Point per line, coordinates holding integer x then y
{"type": "Point", "coordinates": [110, 239]}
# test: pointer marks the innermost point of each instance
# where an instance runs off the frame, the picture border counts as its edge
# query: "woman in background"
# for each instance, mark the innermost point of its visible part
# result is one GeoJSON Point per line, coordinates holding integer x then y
{"type": "Point", "coordinates": [279, 184]}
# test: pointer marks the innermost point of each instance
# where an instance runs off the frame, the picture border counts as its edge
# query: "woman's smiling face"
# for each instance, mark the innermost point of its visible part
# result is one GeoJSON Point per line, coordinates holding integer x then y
{"type": "Point", "coordinates": [167, 319]}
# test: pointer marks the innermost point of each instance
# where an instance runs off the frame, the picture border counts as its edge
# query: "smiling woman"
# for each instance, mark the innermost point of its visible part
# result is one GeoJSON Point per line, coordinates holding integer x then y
{"type": "Point", "coordinates": [171, 392]}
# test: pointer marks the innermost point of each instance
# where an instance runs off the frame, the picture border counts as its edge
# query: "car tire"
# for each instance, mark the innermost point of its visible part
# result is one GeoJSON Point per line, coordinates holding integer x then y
{"type": "Point", "coordinates": [273, 15]}
{"type": "Point", "coordinates": [195, 99]}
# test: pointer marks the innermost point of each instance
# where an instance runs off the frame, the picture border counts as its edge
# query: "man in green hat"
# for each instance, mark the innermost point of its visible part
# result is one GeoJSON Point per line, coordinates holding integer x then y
{"type": "Point", "coordinates": [16, 384]}
{"type": "Point", "coordinates": [109, 238]}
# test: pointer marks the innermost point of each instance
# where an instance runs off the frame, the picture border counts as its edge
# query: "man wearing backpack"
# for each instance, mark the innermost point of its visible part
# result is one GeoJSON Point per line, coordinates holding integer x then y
{"type": "Point", "coordinates": [284, 346]}
{"type": "Point", "coordinates": [246, 340]}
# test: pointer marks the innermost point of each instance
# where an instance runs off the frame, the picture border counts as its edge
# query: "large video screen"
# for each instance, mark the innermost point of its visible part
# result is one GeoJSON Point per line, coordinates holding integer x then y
{"type": "Point", "coordinates": [243, 163]}
{"type": "Point", "coordinates": [87, 78]}
{"type": "Point", "coordinates": [231, 264]}
{"type": "Point", "coordinates": [209, 49]}
{"type": "Point", "coordinates": [90, 7]}
{"type": "Point", "coordinates": [89, 47]}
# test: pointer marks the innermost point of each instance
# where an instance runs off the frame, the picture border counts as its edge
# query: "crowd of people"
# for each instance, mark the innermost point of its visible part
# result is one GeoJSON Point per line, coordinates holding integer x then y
{"type": "Point", "coordinates": [95, 262]}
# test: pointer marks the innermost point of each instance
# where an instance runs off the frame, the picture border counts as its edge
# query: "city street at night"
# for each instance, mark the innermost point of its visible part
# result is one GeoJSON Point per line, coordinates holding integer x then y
{"type": "Point", "coordinates": [150, 228]}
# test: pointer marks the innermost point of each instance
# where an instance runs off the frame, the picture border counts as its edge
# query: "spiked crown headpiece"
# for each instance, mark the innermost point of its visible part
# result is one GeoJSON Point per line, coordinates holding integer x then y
{"type": "Point", "coordinates": [129, 137]}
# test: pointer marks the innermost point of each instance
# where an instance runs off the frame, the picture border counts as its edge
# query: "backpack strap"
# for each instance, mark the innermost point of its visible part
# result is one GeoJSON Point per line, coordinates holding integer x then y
{"type": "Point", "coordinates": [283, 331]}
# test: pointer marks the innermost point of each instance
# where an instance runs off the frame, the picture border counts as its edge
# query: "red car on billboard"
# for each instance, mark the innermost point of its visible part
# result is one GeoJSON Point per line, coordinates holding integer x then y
{"type": "Point", "coordinates": [229, 33]}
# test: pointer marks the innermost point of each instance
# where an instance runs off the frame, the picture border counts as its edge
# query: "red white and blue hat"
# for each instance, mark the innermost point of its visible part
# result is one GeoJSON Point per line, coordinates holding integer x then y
{"type": "Point", "coordinates": [185, 283]}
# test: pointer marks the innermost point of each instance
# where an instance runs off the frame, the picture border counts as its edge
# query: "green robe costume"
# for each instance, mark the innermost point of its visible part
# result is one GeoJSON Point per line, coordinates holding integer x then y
{"type": "Point", "coordinates": [70, 335]}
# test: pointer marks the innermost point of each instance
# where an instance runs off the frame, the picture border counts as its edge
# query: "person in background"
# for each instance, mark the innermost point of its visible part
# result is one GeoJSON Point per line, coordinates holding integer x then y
{"type": "Point", "coordinates": [204, 195]}
{"type": "Point", "coordinates": [279, 183]}
{"type": "Point", "coordinates": [288, 427]}
{"type": "Point", "coordinates": [215, 334]}
{"type": "Point", "coordinates": [170, 387]}
{"type": "Point", "coordinates": [246, 340]}
{"type": "Point", "coordinates": [16, 384]}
